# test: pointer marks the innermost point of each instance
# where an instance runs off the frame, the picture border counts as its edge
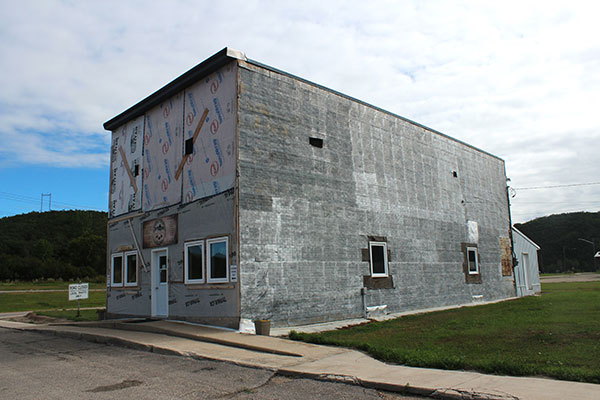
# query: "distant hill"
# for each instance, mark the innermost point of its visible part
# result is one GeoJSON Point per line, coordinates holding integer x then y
{"type": "Point", "coordinates": [72, 244]}
{"type": "Point", "coordinates": [53, 244]}
{"type": "Point", "coordinates": [558, 236]}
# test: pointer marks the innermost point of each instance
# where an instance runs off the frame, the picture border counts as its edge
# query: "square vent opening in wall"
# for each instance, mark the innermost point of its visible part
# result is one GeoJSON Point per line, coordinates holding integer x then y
{"type": "Point", "coordinates": [316, 142]}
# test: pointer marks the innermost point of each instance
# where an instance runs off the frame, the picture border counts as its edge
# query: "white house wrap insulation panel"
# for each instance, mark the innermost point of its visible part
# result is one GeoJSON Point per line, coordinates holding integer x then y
{"type": "Point", "coordinates": [163, 151]}
{"type": "Point", "coordinates": [211, 168]}
{"type": "Point", "coordinates": [125, 168]}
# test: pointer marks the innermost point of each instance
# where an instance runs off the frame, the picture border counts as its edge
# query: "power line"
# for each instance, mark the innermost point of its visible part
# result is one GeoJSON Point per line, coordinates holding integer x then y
{"type": "Point", "coordinates": [592, 202]}
{"type": "Point", "coordinates": [61, 204]}
{"type": "Point", "coordinates": [32, 200]}
{"type": "Point", "coordinates": [558, 186]}
{"type": "Point", "coordinates": [19, 198]}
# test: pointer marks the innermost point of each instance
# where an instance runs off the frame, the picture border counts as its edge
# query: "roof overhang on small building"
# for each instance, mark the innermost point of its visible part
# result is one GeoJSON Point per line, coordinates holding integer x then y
{"type": "Point", "coordinates": [201, 70]}
{"type": "Point", "coordinates": [518, 232]}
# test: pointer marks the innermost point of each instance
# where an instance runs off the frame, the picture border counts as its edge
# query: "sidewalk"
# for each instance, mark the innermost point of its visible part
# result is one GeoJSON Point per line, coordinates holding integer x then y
{"type": "Point", "coordinates": [318, 362]}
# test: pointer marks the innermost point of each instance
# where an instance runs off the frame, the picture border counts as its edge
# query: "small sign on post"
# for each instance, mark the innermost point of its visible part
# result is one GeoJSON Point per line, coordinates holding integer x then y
{"type": "Point", "coordinates": [78, 291]}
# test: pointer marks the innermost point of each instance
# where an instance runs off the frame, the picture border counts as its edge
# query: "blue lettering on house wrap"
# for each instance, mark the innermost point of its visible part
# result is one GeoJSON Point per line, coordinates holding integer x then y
{"type": "Point", "coordinates": [193, 104]}
{"type": "Point", "coordinates": [192, 182]}
{"type": "Point", "coordinates": [218, 152]}
{"type": "Point", "coordinates": [168, 130]}
{"type": "Point", "coordinates": [216, 186]}
{"type": "Point", "coordinates": [148, 164]}
{"type": "Point", "coordinates": [167, 170]}
{"type": "Point", "coordinates": [149, 125]}
{"type": "Point", "coordinates": [147, 194]}
{"type": "Point", "coordinates": [220, 76]}
{"type": "Point", "coordinates": [218, 109]}
{"type": "Point", "coordinates": [206, 159]}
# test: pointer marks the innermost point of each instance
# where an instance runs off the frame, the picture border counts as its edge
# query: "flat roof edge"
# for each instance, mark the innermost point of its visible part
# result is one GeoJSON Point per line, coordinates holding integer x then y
{"type": "Point", "coordinates": [201, 70]}
{"type": "Point", "coordinates": [223, 57]}
{"type": "Point", "coordinates": [267, 67]}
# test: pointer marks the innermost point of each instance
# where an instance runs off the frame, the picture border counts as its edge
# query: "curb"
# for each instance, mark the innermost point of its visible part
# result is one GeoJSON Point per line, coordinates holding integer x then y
{"type": "Point", "coordinates": [406, 389]}
{"type": "Point", "coordinates": [439, 393]}
{"type": "Point", "coordinates": [162, 331]}
{"type": "Point", "coordinates": [115, 341]}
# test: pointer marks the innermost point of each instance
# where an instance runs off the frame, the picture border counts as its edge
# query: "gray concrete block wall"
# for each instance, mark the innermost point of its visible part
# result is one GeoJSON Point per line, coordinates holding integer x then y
{"type": "Point", "coordinates": [305, 212]}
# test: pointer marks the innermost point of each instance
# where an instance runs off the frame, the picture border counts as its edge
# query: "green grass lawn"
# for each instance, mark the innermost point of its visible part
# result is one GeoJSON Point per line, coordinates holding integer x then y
{"type": "Point", "coordinates": [45, 285]}
{"type": "Point", "coordinates": [35, 301]}
{"type": "Point", "coordinates": [85, 315]}
{"type": "Point", "coordinates": [555, 335]}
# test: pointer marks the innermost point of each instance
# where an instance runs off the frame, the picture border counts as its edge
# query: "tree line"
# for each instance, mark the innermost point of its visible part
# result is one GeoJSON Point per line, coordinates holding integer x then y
{"type": "Point", "coordinates": [55, 244]}
{"type": "Point", "coordinates": [72, 244]}
{"type": "Point", "coordinates": [568, 241]}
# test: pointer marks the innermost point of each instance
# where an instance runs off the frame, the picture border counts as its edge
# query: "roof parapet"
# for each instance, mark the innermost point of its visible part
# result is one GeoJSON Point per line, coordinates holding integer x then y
{"type": "Point", "coordinates": [233, 53]}
{"type": "Point", "coordinates": [198, 72]}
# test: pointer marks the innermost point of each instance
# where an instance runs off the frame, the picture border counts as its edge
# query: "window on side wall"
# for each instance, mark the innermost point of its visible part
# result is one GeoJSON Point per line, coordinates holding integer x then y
{"type": "Point", "coordinates": [117, 270]}
{"type": "Point", "coordinates": [217, 263]}
{"type": "Point", "coordinates": [194, 262]}
{"type": "Point", "coordinates": [472, 261]}
{"type": "Point", "coordinates": [131, 268]}
{"type": "Point", "coordinates": [378, 259]}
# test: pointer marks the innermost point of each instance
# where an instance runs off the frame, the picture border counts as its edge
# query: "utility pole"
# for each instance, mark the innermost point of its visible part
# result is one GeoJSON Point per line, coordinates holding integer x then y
{"type": "Point", "coordinates": [49, 195]}
{"type": "Point", "coordinates": [594, 251]}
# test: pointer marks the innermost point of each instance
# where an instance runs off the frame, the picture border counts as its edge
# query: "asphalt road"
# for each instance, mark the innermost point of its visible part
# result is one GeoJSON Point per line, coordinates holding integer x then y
{"type": "Point", "coordinates": [579, 277]}
{"type": "Point", "coordinates": [35, 365]}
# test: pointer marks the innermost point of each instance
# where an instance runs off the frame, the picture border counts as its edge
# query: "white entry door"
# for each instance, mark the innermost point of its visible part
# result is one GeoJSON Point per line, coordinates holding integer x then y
{"type": "Point", "coordinates": [160, 285]}
{"type": "Point", "coordinates": [520, 280]}
{"type": "Point", "coordinates": [525, 258]}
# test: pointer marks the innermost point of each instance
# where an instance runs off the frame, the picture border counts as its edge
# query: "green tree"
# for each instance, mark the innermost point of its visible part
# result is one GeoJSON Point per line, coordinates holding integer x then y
{"type": "Point", "coordinates": [559, 238]}
{"type": "Point", "coordinates": [88, 250]}
{"type": "Point", "coordinates": [42, 249]}
{"type": "Point", "coordinates": [54, 244]}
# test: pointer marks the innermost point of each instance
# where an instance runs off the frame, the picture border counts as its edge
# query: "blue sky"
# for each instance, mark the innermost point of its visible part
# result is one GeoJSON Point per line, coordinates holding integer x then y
{"type": "Point", "coordinates": [520, 80]}
{"type": "Point", "coordinates": [71, 188]}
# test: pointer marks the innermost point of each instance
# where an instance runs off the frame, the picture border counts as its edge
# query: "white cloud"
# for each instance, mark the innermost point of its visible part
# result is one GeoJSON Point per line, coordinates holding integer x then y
{"type": "Point", "coordinates": [517, 79]}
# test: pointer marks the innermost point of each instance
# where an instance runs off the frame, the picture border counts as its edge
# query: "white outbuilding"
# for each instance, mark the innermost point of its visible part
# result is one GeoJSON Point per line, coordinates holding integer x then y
{"type": "Point", "coordinates": [527, 270]}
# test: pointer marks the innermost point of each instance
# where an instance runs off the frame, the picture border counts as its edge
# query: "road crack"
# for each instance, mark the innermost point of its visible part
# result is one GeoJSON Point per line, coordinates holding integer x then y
{"type": "Point", "coordinates": [249, 389]}
{"type": "Point", "coordinates": [127, 383]}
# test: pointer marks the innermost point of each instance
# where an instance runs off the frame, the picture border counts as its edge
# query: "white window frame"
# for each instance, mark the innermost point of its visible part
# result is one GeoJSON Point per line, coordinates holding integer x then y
{"type": "Point", "coordinates": [186, 261]}
{"type": "Point", "coordinates": [385, 260]}
{"type": "Point", "coordinates": [474, 250]}
{"type": "Point", "coordinates": [209, 277]}
{"type": "Point", "coordinates": [126, 268]}
{"type": "Point", "coordinates": [112, 270]}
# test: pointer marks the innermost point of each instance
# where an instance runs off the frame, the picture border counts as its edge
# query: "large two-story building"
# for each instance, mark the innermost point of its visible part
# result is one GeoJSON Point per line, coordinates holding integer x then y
{"type": "Point", "coordinates": [241, 191]}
